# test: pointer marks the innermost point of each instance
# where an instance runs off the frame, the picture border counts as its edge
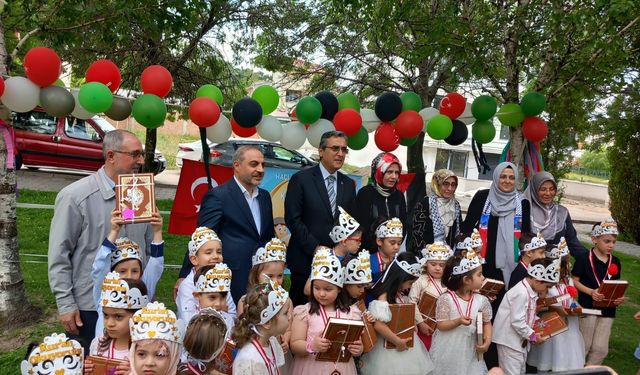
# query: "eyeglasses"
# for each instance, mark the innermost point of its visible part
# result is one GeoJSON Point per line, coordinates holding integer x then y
{"type": "Point", "coordinates": [337, 149]}
{"type": "Point", "coordinates": [133, 154]}
{"type": "Point", "coordinates": [448, 185]}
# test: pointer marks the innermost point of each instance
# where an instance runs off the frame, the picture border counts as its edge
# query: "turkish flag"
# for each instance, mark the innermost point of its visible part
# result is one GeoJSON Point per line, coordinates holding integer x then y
{"type": "Point", "coordinates": [192, 186]}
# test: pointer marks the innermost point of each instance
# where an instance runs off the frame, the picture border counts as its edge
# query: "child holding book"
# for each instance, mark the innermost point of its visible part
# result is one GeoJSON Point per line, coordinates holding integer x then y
{"type": "Point", "coordinates": [532, 247]}
{"type": "Point", "coordinates": [409, 355]}
{"type": "Point", "coordinates": [204, 340]}
{"type": "Point", "coordinates": [213, 286]}
{"type": "Point", "coordinates": [388, 238]}
{"type": "Point", "coordinates": [57, 354]}
{"type": "Point", "coordinates": [589, 272]}
{"type": "Point", "coordinates": [327, 300]}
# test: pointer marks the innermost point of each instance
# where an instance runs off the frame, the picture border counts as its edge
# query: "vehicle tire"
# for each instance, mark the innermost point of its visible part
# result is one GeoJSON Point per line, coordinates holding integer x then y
{"type": "Point", "coordinates": [33, 168]}
{"type": "Point", "coordinates": [18, 162]}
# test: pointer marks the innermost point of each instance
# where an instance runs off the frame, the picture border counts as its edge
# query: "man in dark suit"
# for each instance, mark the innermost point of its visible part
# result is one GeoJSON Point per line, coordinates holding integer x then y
{"type": "Point", "coordinates": [241, 214]}
{"type": "Point", "coordinates": [310, 208]}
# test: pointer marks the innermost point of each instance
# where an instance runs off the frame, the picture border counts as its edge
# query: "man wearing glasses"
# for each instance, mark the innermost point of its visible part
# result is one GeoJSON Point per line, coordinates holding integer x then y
{"type": "Point", "coordinates": [81, 221]}
{"type": "Point", "coordinates": [310, 208]}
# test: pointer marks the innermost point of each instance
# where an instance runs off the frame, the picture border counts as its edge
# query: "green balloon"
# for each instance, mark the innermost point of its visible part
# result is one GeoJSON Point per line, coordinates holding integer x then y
{"type": "Point", "coordinates": [484, 107]}
{"type": "Point", "coordinates": [439, 127]}
{"type": "Point", "coordinates": [210, 91]}
{"type": "Point", "coordinates": [510, 114]}
{"type": "Point", "coordinates": [411, 101]}
{"type": "Point", "coordinates": [95, 97]}
{"type": "Point", "coordinates": [359, 140]}
{"type": "Point", "coordinates": [533, 104]}
{"type": "Point", "coordinates": [483, 131]}
{"type": "Point", "coordinates": [408, 141]}
{"type": "Point", "coordinates": [308, 110]}
{"type": "Point", "coordinates": [149, 110]}
{"type": "Point", "coordinates": [348, 100]}
{"type": "Point", "coordinates": [59, 83]}
{"type": "Point", "coordinates": [267, 97]}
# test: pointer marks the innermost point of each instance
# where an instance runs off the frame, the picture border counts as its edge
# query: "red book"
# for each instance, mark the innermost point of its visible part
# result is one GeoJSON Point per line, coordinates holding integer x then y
{"type": "Point", "coordinates": [103, 365]}
{"type": "Point", "coordinates": [341, 333]}
{"type": "Point", "coordinates": [491, 287]}
{"type": "Point", "coordinates": [550, 324]}
{"type": "Point", "coordinates": [369, 335]}
{"type": "Point", "coordinates": [402, 323]}
{"type": "Point", "coordinates": [135, 197]}
{"type": "Point", "coordinates": [612, 290]}
{"type": "Point", "coordinates": [427, 307]}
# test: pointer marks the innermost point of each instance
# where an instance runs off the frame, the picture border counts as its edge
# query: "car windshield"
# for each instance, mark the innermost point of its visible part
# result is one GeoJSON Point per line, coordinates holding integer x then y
{"type": "Point", "coordinates": [103, 124]}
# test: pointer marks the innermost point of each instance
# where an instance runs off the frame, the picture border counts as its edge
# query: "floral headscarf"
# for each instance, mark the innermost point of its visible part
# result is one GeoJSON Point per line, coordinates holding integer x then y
{"type": "Point", "coordinates": [379, 166]}
{"type": "Point", "coordinates": [443, 211]}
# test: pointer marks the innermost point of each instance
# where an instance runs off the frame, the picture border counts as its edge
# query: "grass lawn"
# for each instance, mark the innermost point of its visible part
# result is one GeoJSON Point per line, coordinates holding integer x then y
{"type": "Point", "coordinates": [586, 178]}
{"type": "Point", "coordinates": [33, 233]}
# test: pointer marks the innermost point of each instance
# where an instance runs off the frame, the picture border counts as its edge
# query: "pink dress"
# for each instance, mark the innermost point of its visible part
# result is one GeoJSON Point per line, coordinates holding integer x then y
{"type": "Point", "coordinates": [308, 365]}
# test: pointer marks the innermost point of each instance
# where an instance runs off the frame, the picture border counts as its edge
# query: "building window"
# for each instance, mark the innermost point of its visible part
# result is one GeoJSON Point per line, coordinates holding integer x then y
{"type": "Point", "coordinates": [504, 132]}
{"type": "Point", "coordinates": [453, 160]}
{"type": "Point", "coordinates": [492, 160]}
{"type": "Point", "coordinates": [293, 95]}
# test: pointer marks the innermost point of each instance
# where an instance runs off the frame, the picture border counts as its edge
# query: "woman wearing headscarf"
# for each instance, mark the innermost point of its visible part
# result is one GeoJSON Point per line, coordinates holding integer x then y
{"type": "Point", "coordinates": [437, 217]}
{"type": "Point", "coordinates": [380, 199]}
{"type": "Point", "coordinates": [549, 218]}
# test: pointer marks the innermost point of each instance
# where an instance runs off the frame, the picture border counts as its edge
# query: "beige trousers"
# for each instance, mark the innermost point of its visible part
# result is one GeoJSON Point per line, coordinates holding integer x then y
{"type": "Point", "coordinates": [512, 362]}
{"type": "Point", "coordinates": [595, 333]}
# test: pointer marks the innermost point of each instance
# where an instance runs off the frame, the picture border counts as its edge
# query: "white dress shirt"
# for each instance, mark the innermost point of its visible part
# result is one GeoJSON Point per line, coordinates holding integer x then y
{"type": "Point", "coordinates": [516, 316]}
{"type": "Point", "coordinates": [325, 174]}
{"type": "Point", "coordinates": [252, 201]}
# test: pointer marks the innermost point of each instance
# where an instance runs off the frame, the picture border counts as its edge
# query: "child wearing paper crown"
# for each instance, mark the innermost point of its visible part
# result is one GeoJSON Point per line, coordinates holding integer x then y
{"type": "Point", "coordinates": [472, 241]}
{"type": "Point", "coordinates": [589, 271]}
{"type": "Point", "coordinates": [326, 300]}
{"type": "Point", "coordinates": [264, 320]}
{"type": "Point", "coordinates": [124, 257]}
{"type": "Point", "coordinates": [531, 247]}
{"type": "Point", "coordinates": [563, 352]}
{"type": "Point", "coordinates": [392, 288]}
{"type": "Point", "coordinates": [57, 354]}
{"type": "Point", "coordinates": [457, 314]}
{"type": "Point", "coordinates": [388, 238]}
{"type": "Point", "coordinates": [204, 340]}
{"type": "Point", "coordinates": [213, 286]}
{"type": "Point", "coordinates": [513, 326]}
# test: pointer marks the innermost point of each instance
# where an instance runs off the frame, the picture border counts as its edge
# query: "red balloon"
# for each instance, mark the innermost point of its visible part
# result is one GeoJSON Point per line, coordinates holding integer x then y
{"type": "Point", "coordinates": [534, 129]}
{"type": "Point", "coordinates": [105, 72]}
{"type": "Point", "coordinates": [386, 137]}
{"type": "Point", "coordinates": [1, 86]}
{"type": "Point", "coordinates": [242, 131]}
{"type": "Point", "coordinates": [409, 124]}
{"type": "Point", "coordinates": [204, 112]}
{"type": "Point", "coordinates": [42, 66]}
{"type": "Point", "coordinates": [156, 80]}
{"type": "Point", "coordinates": [348, 121]}
{"type": "Point", "coordinates": [452, 105]}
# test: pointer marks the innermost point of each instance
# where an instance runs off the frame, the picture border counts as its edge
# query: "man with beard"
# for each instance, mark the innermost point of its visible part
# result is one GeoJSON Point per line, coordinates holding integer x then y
{"type": "Point", "coordinates": [242, 216]}
{"type": "Point", "coordinates": [81, 221]}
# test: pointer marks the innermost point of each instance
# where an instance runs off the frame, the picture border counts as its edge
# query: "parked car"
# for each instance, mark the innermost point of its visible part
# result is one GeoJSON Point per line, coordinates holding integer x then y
{"type": "Point", "coordinates": [222, 154]}
{"type": "Point", "coordinates": [43, 140]}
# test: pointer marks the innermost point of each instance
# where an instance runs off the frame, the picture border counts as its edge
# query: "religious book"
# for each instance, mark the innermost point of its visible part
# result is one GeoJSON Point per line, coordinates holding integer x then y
{"type": "Point", "coordinates": [479, 333]}
{"type": "Point", "coordinates": [135, 197]}
{"type": "Point", "coordinates": [369, 335]}
{"type": "Point", "coordinates": [427, 307]}
{"type": "Point", "coordinates": [581, 311]}
{"type": "Point", "coordinates": [549, 325]}
{"type": "Point", "coordinates": [103, 365]}
{"type": "Point", "coordinates": [224, 361]}
{"type": "Point", "coordinates": [546, 302]}
{"type": "Point", "coordinates": [612, 290]}
{"type": "Point", "coordinates": [491, 287]}
{"type": "Point", "coordinates": [402, 323]}
{"type": "Point", "coordinates": [341, 333]}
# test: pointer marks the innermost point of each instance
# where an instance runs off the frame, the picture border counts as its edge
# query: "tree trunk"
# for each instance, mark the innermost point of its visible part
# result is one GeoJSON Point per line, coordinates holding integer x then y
{"type": "Point", "coordinates": [150, 149]}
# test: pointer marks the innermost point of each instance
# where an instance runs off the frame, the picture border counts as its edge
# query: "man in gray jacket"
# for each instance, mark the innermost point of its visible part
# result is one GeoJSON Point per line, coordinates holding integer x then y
{"type": "Point", "coordinates": [80, 223]}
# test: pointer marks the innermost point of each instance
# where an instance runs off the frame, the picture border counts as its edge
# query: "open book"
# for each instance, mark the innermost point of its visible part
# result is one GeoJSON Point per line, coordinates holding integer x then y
{"type": "Point", "coordinates": [550, 324]}
{"type": "Point", "coordinates": [402, 323]}
{"type": "Point", "coordinates": [341, 333]}
{"type": "Point", "coordinates": [491, 287]}
{"type": "Point", "coordinates": [612, 290]}
{"type": "Point", "coordinates": [427, 308]}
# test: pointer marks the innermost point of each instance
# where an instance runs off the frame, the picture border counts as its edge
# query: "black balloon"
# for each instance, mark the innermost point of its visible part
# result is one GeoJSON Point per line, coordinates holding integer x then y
{"type": "Point", "coordinates": [247, 112]}
{"type": "Point", "coordinates": [119, 110]}
{"type": "Point", "coordinates": [329, 104]}
{"type": "Point", "coordinates": [458, 134]}
{"type": "Point", "coordinates": [388, 106]}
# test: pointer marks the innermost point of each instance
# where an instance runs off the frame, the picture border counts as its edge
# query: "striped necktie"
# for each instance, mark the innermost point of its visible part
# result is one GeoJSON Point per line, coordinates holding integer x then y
{"type": "Point", "coordinates": [331, 191]}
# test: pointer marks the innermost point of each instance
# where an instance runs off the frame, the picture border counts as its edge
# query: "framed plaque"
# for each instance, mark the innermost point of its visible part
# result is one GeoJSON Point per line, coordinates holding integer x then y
{"type": "Point", "coordinates": [135, 197]}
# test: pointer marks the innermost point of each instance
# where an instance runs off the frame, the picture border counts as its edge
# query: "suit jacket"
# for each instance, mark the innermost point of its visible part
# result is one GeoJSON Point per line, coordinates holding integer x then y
{"type": "Point", "coordinates": [307, 213]}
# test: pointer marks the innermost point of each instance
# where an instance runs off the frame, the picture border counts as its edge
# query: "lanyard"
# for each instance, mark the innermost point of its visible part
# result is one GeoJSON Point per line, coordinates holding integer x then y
{"type": "Point", "coordinates": [455, 297]}
{"type": "Point", "coordinates": [194, 370]}
{"type": "Point", "coordinates": [433, 281]}
{"type": "Point", "coordinates": [323, 315]}
{"type": "Point", "coordinates": [593, 268]}
{"type": "Point", "coordinates": [523, 265]}
{"type": "Point", "coordinates": [269, 362]}
{"type": "Point", "coordinates": [381, 265]}
{"type": "Point", "coordinates": [529, 315]}
{"type": "Point", "coordinates": [112, 349]}
{"type": "Point", "coordinates": [562, 290]}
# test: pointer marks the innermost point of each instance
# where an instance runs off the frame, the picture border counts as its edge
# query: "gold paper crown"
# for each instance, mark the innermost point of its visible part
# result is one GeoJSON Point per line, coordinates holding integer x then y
{"type": "Point", "coordinates": [215, 280]}
{"type": "Point", "coordinates": [345, 227]}
{"type": "Point", "coordinates": [536, 242]}
{"type": "Point", "coordinates": [117, 294]}
{"type": "Point", "coordinates": [608, 226]}
{"type": "Point", "coordinates": [437, 251]}
{"type": "Point", "coordinates": [469, 262]}
{"type": "Point", "coordinates": [274, 251]}
{"type": "Point", "coordinates": [559, 250]}
{"type": "Point", "coordinates": [390, 228]}
{"type": "Point", "coordinates": [201, 236]}
{"type": "Point", "coordinates": [550, 274]}
{"type": "Point", "coordinates": [155, 321]}
{"type": "Point", "coordinates": [55, 355]}
{"type": "Point", "coordinates": [472, 242]}
{"type": "Point", "coordinates": [358, 270]}
{"type": "Point", "coordinates": [327, 267]}
{"type": "Point", "coordinates": [126, 249]}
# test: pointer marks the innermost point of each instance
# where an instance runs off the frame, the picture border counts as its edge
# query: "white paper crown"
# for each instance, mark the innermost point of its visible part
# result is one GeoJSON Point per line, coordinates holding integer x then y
{"type": "Point", "coordinates": [536, 242]}
{"type": "Point", "coordinates": [609, 226]}
{"type": "Point", "coordinates": [437, 251]}
{"type": "Point", "coordinates": [274, 251]}
{"type": "Point", "coordinates": [412, 269]}
{"type": "Point", "coordinates": [117, 294]}
{"type": "Point", "coordinates": [211, 312]}
{"type": "Point", "coordinates": [155, 321]}
{"type": "Point", "coordinates": [215, 280]}
{"type": "Point", "coordinates": [57, 355]}
{"type": "Point", "coordinates": [469, 262]}
{"type": "Point", "coordinates": [471, 242]}
{"type": "Point", "coordinates": [277, 299]}
{"type": "Point", "coordinates": [390, 228]}
{"type": "Point", "coordinates": [559, 250]}
{"type": "Point", "coordinates": [201, 236]}
{"type": "Point", "coordinates": [126, 249]}
{"type": "Point", "coordinates": [326, 266]}
{"type": "Point", "coordinates": [345, 227]}
{"type": "Point", "coordinates": [358, 270]}
{"type": "Point", "coordinates": [550, 274]}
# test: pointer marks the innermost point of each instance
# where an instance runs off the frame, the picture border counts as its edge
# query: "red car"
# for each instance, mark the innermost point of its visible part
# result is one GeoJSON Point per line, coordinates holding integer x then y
{"type": "Point", "coordinates": [63, 142]}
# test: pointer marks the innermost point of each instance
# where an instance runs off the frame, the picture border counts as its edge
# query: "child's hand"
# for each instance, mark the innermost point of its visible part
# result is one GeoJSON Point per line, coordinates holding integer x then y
{"type": "Point", "coordinates": [368, 317]}
{"type": "Point", "coordinates": [156, 222]}
{"type": "Point", "coordinates": [116, 224]}
{"type": "Point", "coordinates": [320, 344]}
{"type": "Point", "coordinates": [88, 367]}
{"type": "Point", "coordinates": [596, 296]}
{"type": "Point", "coordinates": [637, 316]}
{"type": "Point", "coordinates": [284, 344]}
{"type": "Point", "coordinates": [425, 329]}
{"type": "Point", "coordinates": [176, 287]}
{"type": "Point", "coordinates": [123, 368]}
{"type": "Point", "coordinates": [356, 348]}
{"type": "Point", "coordinates": [484, 347]}
{"type": "Point", "coordinates": [618, 301]}
{"type": "Point", "coordinates": [463, 320]}
{"type": "Point", "coordinates": [402, 344]}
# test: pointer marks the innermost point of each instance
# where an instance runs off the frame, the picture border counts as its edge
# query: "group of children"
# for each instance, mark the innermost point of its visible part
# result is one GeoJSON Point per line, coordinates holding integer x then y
{"type": "Point", "coordinates": [265, 334]}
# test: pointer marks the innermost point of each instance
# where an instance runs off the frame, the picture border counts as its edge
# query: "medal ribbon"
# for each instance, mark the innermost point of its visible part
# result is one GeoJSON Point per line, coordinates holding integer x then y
{"type": "Point", "coordinates": [269, 362]}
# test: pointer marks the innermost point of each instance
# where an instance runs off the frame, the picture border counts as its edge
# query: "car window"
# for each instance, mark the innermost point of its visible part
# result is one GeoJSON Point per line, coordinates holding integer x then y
{"type": "Point", "coordinates": [80, 129]}
{"type": "Point", "coordinates": [281, 153]}
{"type": "Point", "coordinates": [103, 124]}
{"type": "Point", "coordinates": [35, 122]}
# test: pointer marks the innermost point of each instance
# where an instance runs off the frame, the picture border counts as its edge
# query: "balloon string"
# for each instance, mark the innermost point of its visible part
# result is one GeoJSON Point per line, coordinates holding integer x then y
{"type": "Point", "coordinates": [205, 155]}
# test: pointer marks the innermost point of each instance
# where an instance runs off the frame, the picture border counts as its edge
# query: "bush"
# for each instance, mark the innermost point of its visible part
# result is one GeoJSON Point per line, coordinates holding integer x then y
{"type": "Point", "coordinates": [595, 160]}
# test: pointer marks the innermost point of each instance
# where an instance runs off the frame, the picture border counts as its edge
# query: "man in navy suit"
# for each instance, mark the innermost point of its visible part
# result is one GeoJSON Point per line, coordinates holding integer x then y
{"type": "Point", "coordinates": [310, 208]}
{"type": "Point", "coordinates": [241, 214]}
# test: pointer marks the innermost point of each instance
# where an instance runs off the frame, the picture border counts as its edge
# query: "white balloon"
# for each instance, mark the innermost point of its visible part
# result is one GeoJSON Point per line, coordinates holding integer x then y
{"type": "Point", "coordinates": [317, 129]}
{"type": "Point", "coordinates": [79, 112]}
{"type": "Point", "coordinates": [369, 119]}
{"type": "Point", "coordinates": [20, 94]}
{"type": "Point", "coordinates": [293, 135]}
{"type": "Point", "coordinates": [270, 129]}
{"type": "Point", "coordinates": [467, 116]}
{"type": "Point", "coordinates": [220, 131]}
{"type": "Point", "coordinates": [427, 114]}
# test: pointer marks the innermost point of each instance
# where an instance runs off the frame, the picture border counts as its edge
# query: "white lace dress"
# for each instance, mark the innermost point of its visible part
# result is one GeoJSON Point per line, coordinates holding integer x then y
{"type": "Point", "coordinates": [248, 361]}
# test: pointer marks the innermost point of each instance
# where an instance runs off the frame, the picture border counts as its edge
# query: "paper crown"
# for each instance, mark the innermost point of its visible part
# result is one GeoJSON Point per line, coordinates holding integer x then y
{"type": "Point", "coordinates": [471, 242]}
{"type": "Point", "coordinates": [390, 228]}
{"type": "Point", "coordinates": [437, 251]}
{"type": "Point", "coordinates": [207, 313]}
{"type": "Point", "coordinates": [155, 321]}
{"type": "Point", "coordinates": [117, 294]}
{"type": "Point", "coordinates": [469, 262]}
{"type": "Point", "coordinates": [412, 269]}
{"type": "Point", "coordinates": [559, 250]}
{"type": "Point", "coordinates": [608, 226]}
{"type": "Point", "coordinates": [55, 355]}
{"type": "Point", "coordinates": [536, 242]}
{"type": "Point", "coordinates": [274, 251]}
{"type": "Point", "coordinates": [550, 274]}
{"type": "Point", "coordinates": [358, 269]}
{"type": "Point", "coordinates": [215, 280]}
{"type": "Point", "coordinates": [201, 236]}
{"type": "Point", "coordinates": [345, 227]}
{"type": "Point", "coordinates": [326, 266]}
{"type": "Point", "coordinates": [125, 250]}
{"type": "Point", "coordinates": [277, 299]}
